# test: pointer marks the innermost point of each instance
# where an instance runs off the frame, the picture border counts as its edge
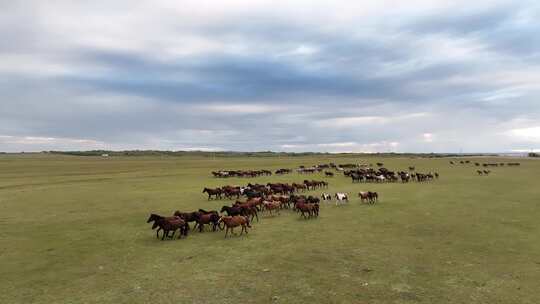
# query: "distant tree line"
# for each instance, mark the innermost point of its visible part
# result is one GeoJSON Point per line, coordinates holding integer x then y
{"type": "Point", "coordinates": [532, 154]}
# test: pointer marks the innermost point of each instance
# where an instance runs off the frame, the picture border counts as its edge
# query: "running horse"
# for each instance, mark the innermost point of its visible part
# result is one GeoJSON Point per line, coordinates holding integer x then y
{"type": "Point", "coordinates": [168, 224]}
{"type": "Point", "coordinates": [213, 192]}
{"type": "Point", "coordinates": [234, 221]}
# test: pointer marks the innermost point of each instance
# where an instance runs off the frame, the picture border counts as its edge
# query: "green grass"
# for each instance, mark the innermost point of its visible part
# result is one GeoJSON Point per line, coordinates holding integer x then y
{"type": "Point", "coordinates": [72, 230]}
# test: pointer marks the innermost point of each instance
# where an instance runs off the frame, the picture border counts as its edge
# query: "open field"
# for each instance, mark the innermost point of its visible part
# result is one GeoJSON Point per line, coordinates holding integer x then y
{"type": "Point", "coordinates": [72, 230]}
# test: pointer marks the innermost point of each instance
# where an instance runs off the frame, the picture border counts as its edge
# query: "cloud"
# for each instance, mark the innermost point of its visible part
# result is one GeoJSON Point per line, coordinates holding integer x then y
{"type": "Point", "coordinates": [531, 134]}
{"type": "Point", "coordinates": [30, 143]}
{"type": "Point", "coordinates": [344, 147]}
{"type": "Point", "coordinates": [259, 75]}
{"type": "Point", "coordinates": [240, 108]}
{"type": "Point", "coordinates": [428, 137]}
{"type": "Point", "coordinates": [353, 121]}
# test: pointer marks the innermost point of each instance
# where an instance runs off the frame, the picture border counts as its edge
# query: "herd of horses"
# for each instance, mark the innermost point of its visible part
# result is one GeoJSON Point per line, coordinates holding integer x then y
{"type": "Point", "coordinates": [383, 175]}
{"type": "Point", "coordinates": [301, 170]}
{"type": "Point", "coordinates": [485, 172]}
{"type": "Point", "coordinates": [244, 213]}
{"type": "Point", "coordinates": [253, 200]}
{"type": "Point", "coordinates": [240, 214]}
{"type": "Point", "coordinates": [256, 199]}
{"type": "Point", "coordinates": [241, 173]}
{"type": "Point", "coordinates": [477, 164]}
{"type": "Point", "coordinates": [259, 190]}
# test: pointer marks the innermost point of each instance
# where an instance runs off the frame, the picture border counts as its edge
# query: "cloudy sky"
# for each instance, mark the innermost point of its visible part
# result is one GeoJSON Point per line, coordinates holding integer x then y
{"type": "Point", "coordinates": [336, 76]}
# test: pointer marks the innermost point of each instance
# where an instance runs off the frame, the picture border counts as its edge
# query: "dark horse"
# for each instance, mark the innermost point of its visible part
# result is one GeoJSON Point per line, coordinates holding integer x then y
{"type": "Point", "coordinates": [188, 216]}
{"type": "Point", "coordinates": [207, 217]}
{"type": "Point", "coordinates": [213, 192]}
{"type": "Point", "coordinates": [231, 211]}
{"type": "Point", "coordinates": [168, 224]}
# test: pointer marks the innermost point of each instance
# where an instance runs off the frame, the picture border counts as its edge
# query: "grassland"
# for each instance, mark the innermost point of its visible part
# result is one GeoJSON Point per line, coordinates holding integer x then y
{"type": "Point", "coordinates": [72, 230]}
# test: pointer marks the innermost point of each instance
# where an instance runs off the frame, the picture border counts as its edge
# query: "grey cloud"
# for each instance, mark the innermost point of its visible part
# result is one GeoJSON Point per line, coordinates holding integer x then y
{"type": "Point", "coordinates": [136, 98]}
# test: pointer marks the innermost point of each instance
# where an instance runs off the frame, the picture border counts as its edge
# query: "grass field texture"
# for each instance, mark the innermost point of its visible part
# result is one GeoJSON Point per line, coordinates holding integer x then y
{"type": "Point", "coordinates": [73, 230]}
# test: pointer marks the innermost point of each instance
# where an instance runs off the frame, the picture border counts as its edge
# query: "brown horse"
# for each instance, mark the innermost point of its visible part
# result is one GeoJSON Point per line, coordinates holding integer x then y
{"type": "Point", "coordinates": [255, 202]}
{"type": "Point", "coordinates": [235, 221]}
{"type": "Point", "coordinates": [188, 216]}
{"type": "Point", "coordinates": [247, 209]}
{"type": "Point", "coordinates": [368, 196]}
{"type": "Point", "coordinates": [310, 209]}
{"type": "Point", "coordinates": [211, 218]}
{"type": "Point", "coordinates": [364, 196]}
{"type": "Point", "coordinates": [373, 197]}
{"type": "Point", "coordinates": [213, 192]}
{"type": "Point", "coordinates": [272, 206]}
{"type": "Point", "coordinates": [301, 187]}
{"type": "Point", "coordinates": [168, 224]}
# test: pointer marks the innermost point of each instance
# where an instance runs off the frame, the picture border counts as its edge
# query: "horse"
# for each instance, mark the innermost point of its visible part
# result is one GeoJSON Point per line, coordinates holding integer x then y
{"type": "Point", "coordinates": [231, 211]}
{"type": "Point", "coordinates": [247, 209]}
{"type": "Point", "coordinates": [299, 186]}
{"type": "Point", "coordinates": [188, 216]}
{"type": "Point", "coordinates": [272, 206]}
{"type": "Point", "coordinates": [373, 197]}
{"type": "Point", "coordinates": [341, 197]}
{"type": "Point", "coordinates": [329, 174]}
{"type": "Point", "coordinates": [168, 224]}
{"type": "Point", "coordinates": [326, 197]}
{"type": "Point", "coordinates": [231, 191]}
{"type": "Point", "coordinates": [235, 221]}
{"type": "Point", "coordinates": [255, 202]}
{"type": "Point", "coordinates": [215, 192]}
{"type": "Point", "coordinates": [356, 177]}
{"type": "Point", "coordinates": [207, 218]}
{"type": "Point", "coordinates": [284, 200]}
{"type": "Point", "coordinates": [309, 209]}
{"type": "Point", "coordinates": [364, 196]}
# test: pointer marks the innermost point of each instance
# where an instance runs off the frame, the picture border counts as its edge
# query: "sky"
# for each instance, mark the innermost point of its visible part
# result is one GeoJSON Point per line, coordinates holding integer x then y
{"type": "Point", "coordinates": [293, 76]}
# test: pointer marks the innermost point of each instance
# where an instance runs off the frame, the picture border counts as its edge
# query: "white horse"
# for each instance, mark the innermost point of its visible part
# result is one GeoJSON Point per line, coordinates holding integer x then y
{"type": "Point", "coordinates": [341, 198]}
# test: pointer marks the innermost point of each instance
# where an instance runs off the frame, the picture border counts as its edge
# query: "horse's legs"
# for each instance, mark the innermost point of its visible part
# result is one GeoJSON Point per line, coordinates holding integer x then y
{"type": "Point", "coordinates": [226, 231]}
{"type": "Point", "coordinates": [164, 232]}
{"type": "Point", "coordinates": [180, 232]}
